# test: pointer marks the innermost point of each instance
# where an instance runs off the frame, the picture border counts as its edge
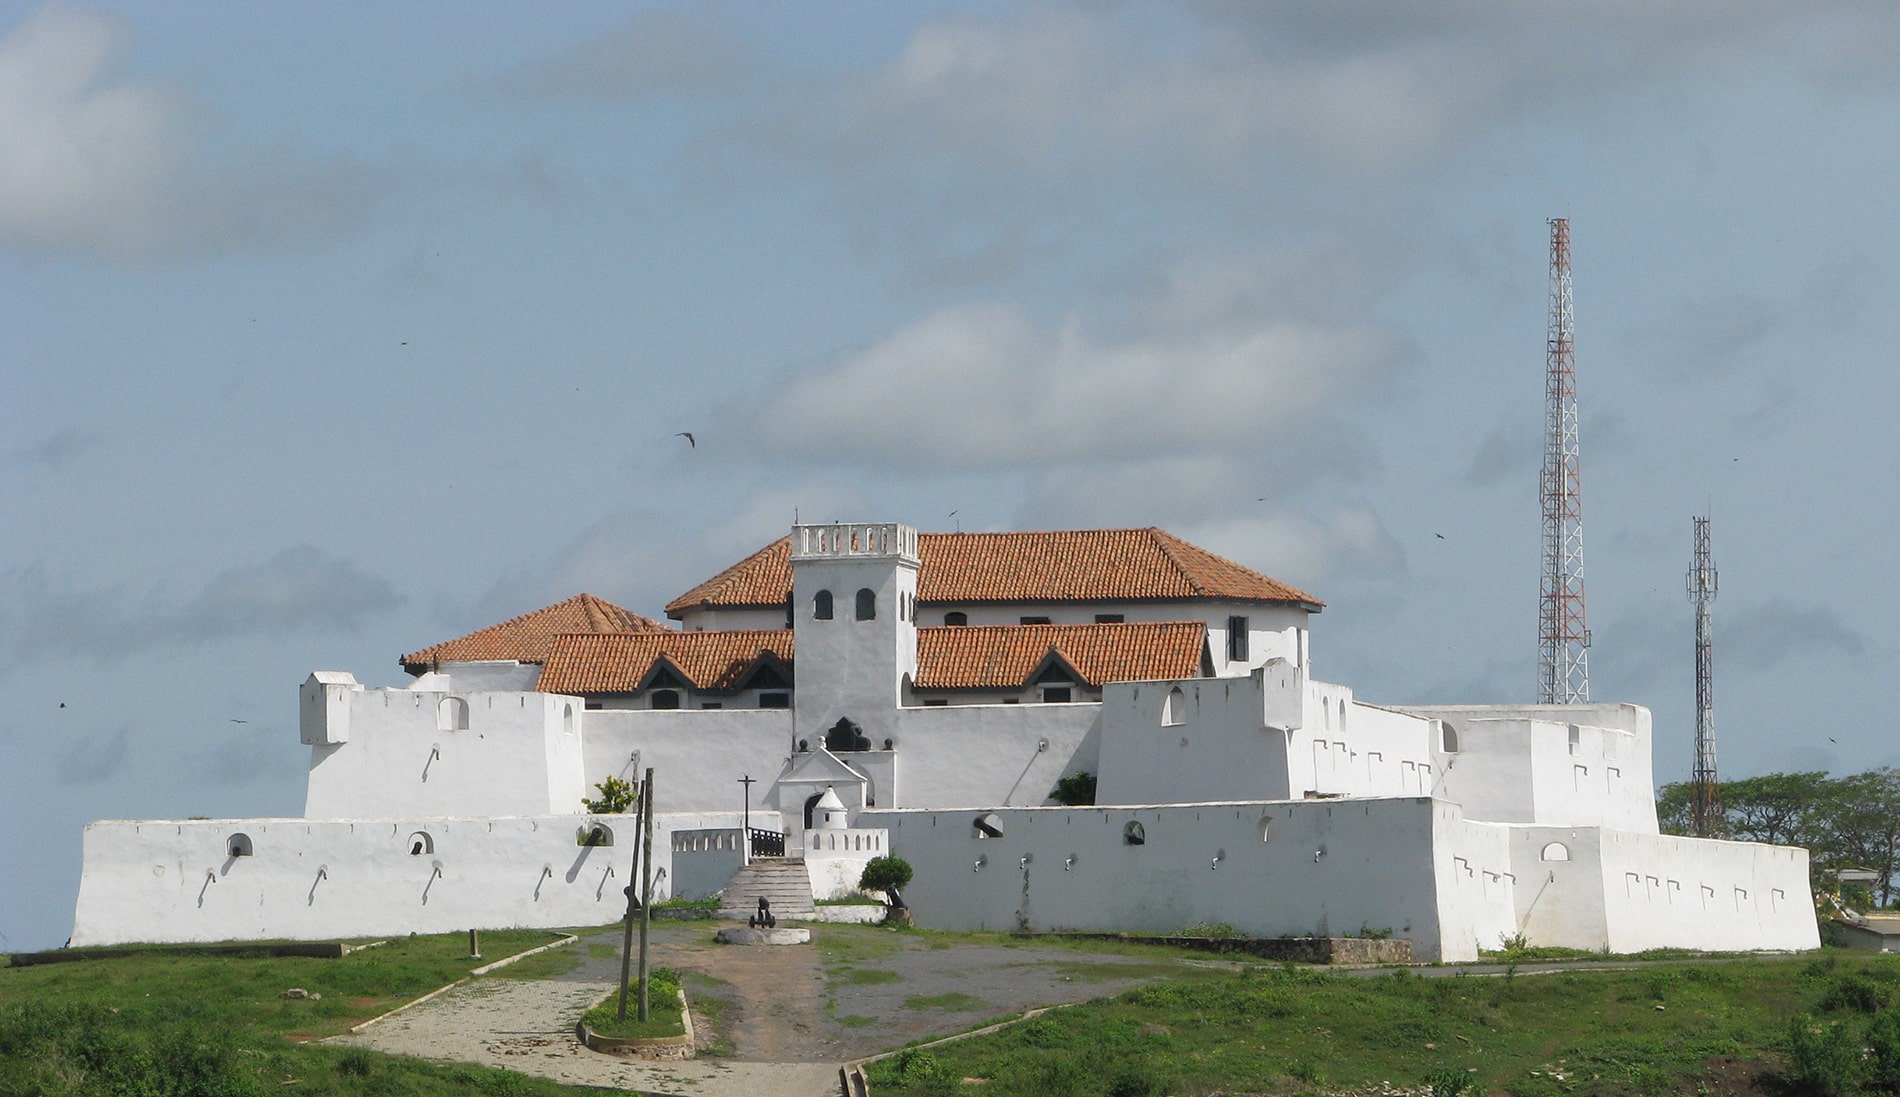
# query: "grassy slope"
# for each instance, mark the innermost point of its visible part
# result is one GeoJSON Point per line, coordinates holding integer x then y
{"type": "Point", "coordinates": [219, 1025]}
{"type": "Point", "coordinates": [1285, 1031]}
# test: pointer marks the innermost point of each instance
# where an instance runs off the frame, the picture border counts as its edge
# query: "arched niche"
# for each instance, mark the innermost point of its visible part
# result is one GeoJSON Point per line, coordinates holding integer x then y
{"type": "Point", "coordinates": [239, 845]}
{"type": "Point", "coordinates": [989, 825]}
{"type": "Point", "coordinates": [1555, 851]}
{"type": "Point", "coordinates": [1134, 834]}
{"type": "Point", "coordinates": [420, 844]}
{"type": "Point", "coordinates": [451, 714]}
{"type": "Point", "coordinates": [1174, 708]}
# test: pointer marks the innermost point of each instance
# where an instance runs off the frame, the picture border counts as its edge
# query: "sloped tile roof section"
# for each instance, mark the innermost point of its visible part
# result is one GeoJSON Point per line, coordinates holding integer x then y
{"type": "Point", "coordinates": [594, 663]}
{"type": "Point", "coordinates": [1007, 656]}
{"type": "Point", "coordinates": [529, 637]}
{"type": "Point", "coordinates": [1084, 565]}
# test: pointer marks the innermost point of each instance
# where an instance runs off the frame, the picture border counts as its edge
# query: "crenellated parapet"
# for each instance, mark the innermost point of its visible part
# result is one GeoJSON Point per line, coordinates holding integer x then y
{"type": "Point", "coordinates": [836, 539]}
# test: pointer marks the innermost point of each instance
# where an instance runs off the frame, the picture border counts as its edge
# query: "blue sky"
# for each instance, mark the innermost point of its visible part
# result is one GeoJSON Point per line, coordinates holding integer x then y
{"type": "Point", "coordinates": [332, 331]}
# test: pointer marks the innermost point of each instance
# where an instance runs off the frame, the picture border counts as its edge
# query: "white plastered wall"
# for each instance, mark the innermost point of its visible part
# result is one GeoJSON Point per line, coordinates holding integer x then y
{"type": "Point", "coordinates": [697, 755]}
{"type": "Point", "coordinates": [991, 754]}
{"type": "Point", "coordinates": [1322, 868]}
{"type": "Point", "coordinates": [169, 880]}
{"type": "Point", "coordinates": [1554, 765]}
{"type": "Point", "coordinates": [519, 755]}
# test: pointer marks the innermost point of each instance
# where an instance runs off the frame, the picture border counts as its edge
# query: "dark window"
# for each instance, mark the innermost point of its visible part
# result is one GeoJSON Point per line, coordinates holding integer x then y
{"type": "Point", "coordinates": [663, 698]}
{"type": "Point", "coordinates": [935, 702]}
{"type": "Point", "coordinates": [956, 617]}
{"type": "Point", "coordinates": [867, 604]}
{"type": "Point", "coordinates": [712, 704]}
{"type": "Point", "coordinates": [775, 700]}
{"type": "Point", "coordinates": [1237, 639]}
{"type": "Point", "coordinates": [1053, 695]}
{"type": "Point", "coordinates": [1035, 620]}
{"type": "Point", "coordinates": [1108, 618]}
{"type": "Point", "coordinates": [821, 606]}
{"type": "Point", "coordinates": [594, 706]}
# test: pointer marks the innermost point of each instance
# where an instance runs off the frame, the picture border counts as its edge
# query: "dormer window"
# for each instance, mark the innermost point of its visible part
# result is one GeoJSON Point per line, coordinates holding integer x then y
{"type": "Point", "coordinates": [1237, 639]}
{"type": "Point", "coordinates": [664, 699]}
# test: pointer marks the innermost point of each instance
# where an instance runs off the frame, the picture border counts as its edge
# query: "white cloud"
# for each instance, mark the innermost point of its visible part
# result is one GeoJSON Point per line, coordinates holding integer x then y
{"type": "Point", "coordinates": [94, 163]}
{"type": "Point", "coordinates": [984, 386]}
{"type": "Point", "coordinates": [84, 161]}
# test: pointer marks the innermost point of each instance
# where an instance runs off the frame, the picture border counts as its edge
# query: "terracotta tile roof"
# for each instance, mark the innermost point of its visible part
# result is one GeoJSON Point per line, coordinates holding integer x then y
{"type": "Point", "coordinates": [527, 638]}
{"type": "Point", "coordinates": [618, 662]}
{"type": "Point", "coordinates": [1007, 656]}
{"type": "Point", "coordinates": [1086, 565]}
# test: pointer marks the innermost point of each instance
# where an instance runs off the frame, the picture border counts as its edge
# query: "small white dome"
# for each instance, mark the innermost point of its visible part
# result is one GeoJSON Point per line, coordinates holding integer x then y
{"type": "Point", "coordinates": [828, 813]}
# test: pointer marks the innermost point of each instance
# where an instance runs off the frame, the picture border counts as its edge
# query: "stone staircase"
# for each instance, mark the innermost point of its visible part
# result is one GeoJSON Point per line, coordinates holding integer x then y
{"type": "Point", "coordinates": [781, 880]}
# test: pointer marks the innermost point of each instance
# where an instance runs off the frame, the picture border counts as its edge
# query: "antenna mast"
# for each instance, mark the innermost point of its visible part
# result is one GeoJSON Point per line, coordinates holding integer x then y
{"type": "Point", "coordinates": [1563, 671]}
{"type": "Point", "coordinates": [1706, 812]}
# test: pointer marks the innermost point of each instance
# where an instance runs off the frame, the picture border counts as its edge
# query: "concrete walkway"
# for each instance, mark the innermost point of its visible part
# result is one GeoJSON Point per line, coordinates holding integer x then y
{"type": "Point", "coordinates": [528, 1026]}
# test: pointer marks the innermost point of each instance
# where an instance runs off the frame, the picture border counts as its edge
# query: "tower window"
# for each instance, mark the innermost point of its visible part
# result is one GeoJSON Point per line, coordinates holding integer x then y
{"type": "Point", "coordinates": [821, 606]}
{"type": "Point", "coordinates": [1237, 639]}
{"type": "Point", "coordinates": [867, 604]}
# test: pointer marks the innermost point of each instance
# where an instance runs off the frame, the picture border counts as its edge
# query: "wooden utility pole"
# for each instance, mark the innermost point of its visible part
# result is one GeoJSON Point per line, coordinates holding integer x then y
{"type": "Point", "coordinates": [633, 897]}
{"type": "Point", "coordinates": [646, 887]}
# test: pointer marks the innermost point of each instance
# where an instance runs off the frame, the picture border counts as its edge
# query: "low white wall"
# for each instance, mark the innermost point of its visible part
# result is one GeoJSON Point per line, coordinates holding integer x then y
{"type": "Point", "coordinates": [835, 859]}
{"type": "Point", "coordinates": [705, 860]}
{"type": "Point", "coordinates": [954, 755]}
{"type": "Point", "coordinates": [1662, 891]}
{"type": "Point", "coordinates": [308, 879]}
{"type": "Point", "coordinates": [1322, 868]}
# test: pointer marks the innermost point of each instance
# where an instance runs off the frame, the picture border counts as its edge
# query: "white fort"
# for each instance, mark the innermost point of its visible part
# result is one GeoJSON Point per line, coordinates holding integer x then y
{"type": "Point", "coordinates": [922, 695]}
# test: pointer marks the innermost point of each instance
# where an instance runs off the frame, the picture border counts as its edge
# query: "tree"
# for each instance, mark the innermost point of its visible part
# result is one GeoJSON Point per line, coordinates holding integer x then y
{"type": "Point", "coordinates": [887, 874]}
{"type": "Point", "coordinates": [1862, 827]}
{"type": "Point", "coordinates": [616, 796]}
{"type": "Point", "coordinates": [1075, 790]}
{"type": "Point", "coordinates": [1781, 809]}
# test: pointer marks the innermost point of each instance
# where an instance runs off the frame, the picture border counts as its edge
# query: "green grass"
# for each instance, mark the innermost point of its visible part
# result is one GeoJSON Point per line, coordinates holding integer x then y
{"type": "Point", "coordinates": [954, 1000]}
{"type": "Point", "coordinates": [1283, 1030]}
{"type": "Point", "coordinates": [663, 1010]}
{"type": "Point", "coordinates": [162, 1022]}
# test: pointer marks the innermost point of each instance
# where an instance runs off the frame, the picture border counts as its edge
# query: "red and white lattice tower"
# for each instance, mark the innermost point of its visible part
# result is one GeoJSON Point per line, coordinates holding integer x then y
{"type": "Point", "coordinates": [1706, 812]}
{"type": "Point", "coordinates": [1563, 640]}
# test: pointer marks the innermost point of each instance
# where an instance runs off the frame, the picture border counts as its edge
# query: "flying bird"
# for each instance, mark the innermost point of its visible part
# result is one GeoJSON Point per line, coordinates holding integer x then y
{"type": "Point", "coordinates": [1440, 536]}
{"type": "Point", "coordinates": [235, 720]}
{"type": "Point", "coordinates": [688, 435]}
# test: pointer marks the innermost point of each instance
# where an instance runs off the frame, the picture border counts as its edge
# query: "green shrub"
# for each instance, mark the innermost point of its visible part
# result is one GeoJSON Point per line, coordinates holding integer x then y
{"type": "Point", "coordinates": [1860, 992]}
{"type": "Point", "coordinates": [886, 874]}
{"type": "Point", "coordinates": [1451, 1082]}
{"type": "Point", "coordinates": [1883, 1051]}
{"type": "Point", "coordinates": [1823, 1059]}
{"type": "Point", "coordinates": [1075, 790]}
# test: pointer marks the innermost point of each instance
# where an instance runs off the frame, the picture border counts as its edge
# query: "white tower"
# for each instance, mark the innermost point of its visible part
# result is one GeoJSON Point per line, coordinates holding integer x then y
{"type": "Point", "coordinates": [854, 603]}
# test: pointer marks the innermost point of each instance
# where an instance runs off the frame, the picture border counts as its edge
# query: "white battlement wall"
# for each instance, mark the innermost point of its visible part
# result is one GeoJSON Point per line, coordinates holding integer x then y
{"type": "Point", "coordinates": [427, 753]}
{"type": "Point", "coordinates": [171, 880]}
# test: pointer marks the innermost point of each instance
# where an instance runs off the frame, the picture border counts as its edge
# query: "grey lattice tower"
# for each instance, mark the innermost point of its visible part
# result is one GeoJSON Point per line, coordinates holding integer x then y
{"type": "Point", "coordinates": [1706, 812]}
